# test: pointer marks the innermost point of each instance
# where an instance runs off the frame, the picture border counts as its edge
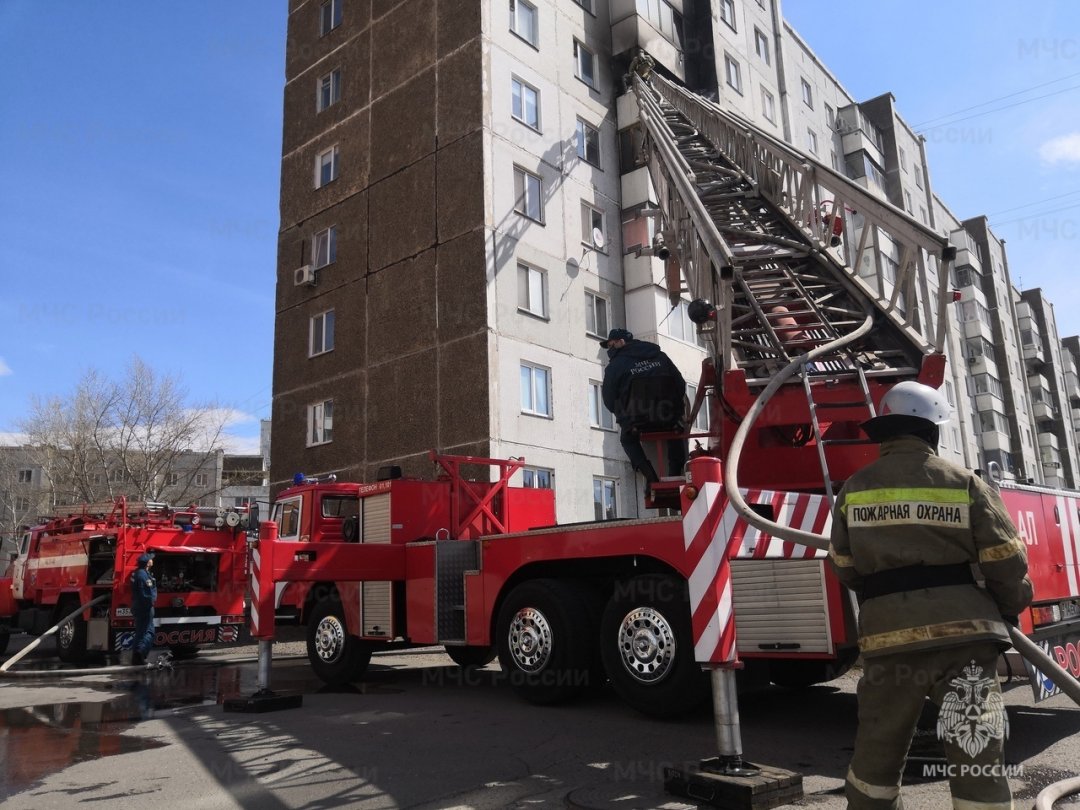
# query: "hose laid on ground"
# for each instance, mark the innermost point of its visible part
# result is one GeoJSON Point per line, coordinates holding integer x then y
{"type": "Point", "coordinates": [1059, 790]}
{"type": "Point", "coordinates": [53, 673]}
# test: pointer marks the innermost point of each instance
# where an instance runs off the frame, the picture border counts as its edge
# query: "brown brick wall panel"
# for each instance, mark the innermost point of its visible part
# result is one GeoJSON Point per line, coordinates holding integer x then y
{"type": "Point", "coordinates": [292, 331]}
{"type": "Point", "coordinates": [402, 407]}
{"type": "Point", "coordinates": [462, 287]}
{"type": "Point", "coordinates": [460, 197]}
{"type": "Point", "coordinates": [299, 197]}
{"type": "Point", "coordinates": [289, 428]}
{"type": "Point", "coordinates": [302, 121]}
{"type": "Point", "coordinates": [401, 217]}
{"type": "Point", "coordinates": [459, 21]}
{"type": "Point", "coordinates": [295, 249]}
{"type": "Point", "coordinates": [403, 44]}
{"type": "Point", "coordinates": [403, 126]}
{"type": "Point", "coordinates": [461, 98]}
{"type": "Point", "coordinates": [401, 308]}
{"type": "Point", "coordinates": [463, 391]}
{"type": "Point", "coordinates": [304, 47]}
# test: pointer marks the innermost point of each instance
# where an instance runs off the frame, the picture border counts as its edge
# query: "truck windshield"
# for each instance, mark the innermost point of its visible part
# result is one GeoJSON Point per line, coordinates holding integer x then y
{"type": "Point", "coordinates": [287, 517]}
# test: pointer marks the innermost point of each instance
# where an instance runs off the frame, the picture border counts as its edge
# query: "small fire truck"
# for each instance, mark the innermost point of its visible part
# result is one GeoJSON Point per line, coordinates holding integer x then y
{"type": "Point", "coordinates": [200, 558]}
{"type": "Point", "coordinates": [808, 324]}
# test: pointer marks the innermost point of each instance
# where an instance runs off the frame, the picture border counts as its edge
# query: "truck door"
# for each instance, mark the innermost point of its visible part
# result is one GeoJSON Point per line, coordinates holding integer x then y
{"type": "Point", "coordinates": [18, 568]}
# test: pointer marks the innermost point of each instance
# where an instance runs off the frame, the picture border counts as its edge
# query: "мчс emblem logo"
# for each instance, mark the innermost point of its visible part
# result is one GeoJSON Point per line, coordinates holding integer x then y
{"type": "Point", "coordinates": [972, 714]}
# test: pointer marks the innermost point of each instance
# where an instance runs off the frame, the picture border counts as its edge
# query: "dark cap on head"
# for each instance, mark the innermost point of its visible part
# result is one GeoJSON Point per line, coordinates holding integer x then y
{"type": "Point", "coordinates": [616, 334]}
{"type": "Point", "coordinates": [144, 558]}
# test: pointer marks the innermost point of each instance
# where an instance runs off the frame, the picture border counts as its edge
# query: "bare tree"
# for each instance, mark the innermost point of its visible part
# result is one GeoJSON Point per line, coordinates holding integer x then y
{"type": "Point", "coordinates": [18, 501]}
{"type": "Point", "coordinates": [136, 436]}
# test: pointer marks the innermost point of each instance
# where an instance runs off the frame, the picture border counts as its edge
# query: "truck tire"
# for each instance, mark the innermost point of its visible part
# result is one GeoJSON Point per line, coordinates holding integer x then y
{"type": "Point", "coordinates": [71, 635]}
{"type": "Point", "coordinates": [469, 657]}
{"type": "Point", "coordinates": [647, 647]}
{"type": "Point", "coordinates": [336, 657]}
{"type": "Point", "coordinates": [545, 641]}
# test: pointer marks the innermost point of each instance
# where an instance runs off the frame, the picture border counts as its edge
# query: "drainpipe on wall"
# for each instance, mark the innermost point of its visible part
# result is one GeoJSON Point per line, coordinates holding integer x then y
{"type": "Point", "coordinates": [781, 80]}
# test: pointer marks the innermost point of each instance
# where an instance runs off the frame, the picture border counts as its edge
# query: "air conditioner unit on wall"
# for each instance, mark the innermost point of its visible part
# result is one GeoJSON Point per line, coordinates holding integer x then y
{"type": "Point", "coordinates": [304, 275]}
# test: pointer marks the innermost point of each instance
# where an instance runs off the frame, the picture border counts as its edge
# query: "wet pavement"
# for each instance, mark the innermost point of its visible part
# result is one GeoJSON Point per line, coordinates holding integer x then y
{"type": "Point", "coordinates": [421, 733]}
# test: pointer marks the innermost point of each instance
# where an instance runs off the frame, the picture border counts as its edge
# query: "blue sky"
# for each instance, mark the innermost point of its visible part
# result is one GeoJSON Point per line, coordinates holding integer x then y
{"type": "Point", "coordinates": [140, 157]}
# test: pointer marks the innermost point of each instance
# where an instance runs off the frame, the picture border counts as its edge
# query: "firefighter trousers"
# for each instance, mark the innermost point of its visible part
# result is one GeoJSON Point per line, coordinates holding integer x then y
{"type": "Point", "coordinates": [962, 682]}
{"type": "Point", "coordinates": [144, 632]}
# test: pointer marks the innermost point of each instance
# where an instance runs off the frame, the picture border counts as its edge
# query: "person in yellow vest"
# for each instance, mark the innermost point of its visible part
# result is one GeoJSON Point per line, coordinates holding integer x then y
{"type": "Point", "coordinates": [910, 532]}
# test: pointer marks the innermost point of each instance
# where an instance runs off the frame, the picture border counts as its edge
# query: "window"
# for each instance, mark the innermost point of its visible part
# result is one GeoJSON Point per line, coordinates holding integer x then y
{"type": "Point", "coordinates": [241, 502]}
{"type": "Point", "coordinates": [922, 215]}
{"type": "Point", "coordinates": [903, 159]}
{"type": "Point", "coordinates": [537, 478]}
{"type": "Point", "coordinates": [584, 64]}
{"type": "Point", "coordinates": [768, 105]}
{"type": "Point", "coordinates": [535, 390]}
{"type": "Point", "coordinates": [701, 421]}
{"type": "Point", "coordinates": [732, 73]}
{"type": "Point", "coordinates": [172, 479]}
{"type": "Point", "coordinates": [287, 517]}
{"type": "Point", "coordinates": [949, 393]}
{"type": "Point", "coordinates": [678, 325]}
{"type": "Point", "coordinates": [321, 333]}
{"type": "Point", "coordinates": [22, 504]}
{"type": "Point", "coordinates": [599, 416]}
{"type": "Point", "coordinates": [807, 94]}
{"type": "Point", "coordinates": [325, 247]}
{"type": "Point", "coordinates": [907, 200]}
{"type": "Point", "coordinates": [630, 152]}
{"type": "Point", "coordinates": [835, 161]}
{"type": "Point", "coordinates": [328, 91]}
{"type": "Point", "coordinates": [25, 476]}
{"type": "Point", "coordinates": [918, 174]}
{"type": "Point", "coordinates": [528, 190]}
{"type": "Point", "coordinates": [761, 45]}
{"type": "Point", "coordinates": [596, 314]}
{"type": "Point", "coordinates": [526, 103]}
{"type": "Point", "coordinates": [588, 143]}
{"type": "Point", "coordinates": [532, 290]}
{"type": "Point", "coordinates": [523, 21]}
{"type": "Point", "coordinates": [811, 141]}
{"type": "Point", "coordinates": [586, 4]}
{"type": "Point", "coordinates": [201, 479]}
{"type": "Point", "coordinates": [329, 16]}
{"type": "Point", "coordinates": [605, 504]}
{"type": "Point", "coordinates": [727, 12]}
{"type": "Point", "coordinates": [326, 166]}
{"type": "Point", "coordinates": [320, 422]}
{"type": "Point", "coordinates": [592, 219]}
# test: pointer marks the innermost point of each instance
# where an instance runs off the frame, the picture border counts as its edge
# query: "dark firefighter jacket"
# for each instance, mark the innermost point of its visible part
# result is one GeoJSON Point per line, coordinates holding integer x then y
{"type": "Point", "coordinates": [143, 590]}
{"type": "Point", "coordinates": [911, 508]}
{"type": "Point", "coordinates": [642, 386]}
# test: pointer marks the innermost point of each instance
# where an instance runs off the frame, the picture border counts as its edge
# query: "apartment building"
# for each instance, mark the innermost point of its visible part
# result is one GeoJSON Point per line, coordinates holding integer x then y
{"type": "Point", "coordinates": [461, 220]}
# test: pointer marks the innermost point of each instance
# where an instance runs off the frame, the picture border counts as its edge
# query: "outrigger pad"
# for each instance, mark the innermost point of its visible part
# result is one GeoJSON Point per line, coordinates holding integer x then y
{"type": "Point", "coordinates": [769, 787]}
{"type": "Point", "coordinates": [265, 701]}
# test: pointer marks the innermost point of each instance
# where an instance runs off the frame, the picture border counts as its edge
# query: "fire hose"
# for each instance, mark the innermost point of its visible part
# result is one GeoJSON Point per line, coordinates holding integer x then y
{"type": "Point", "coordinates": [5, 668]}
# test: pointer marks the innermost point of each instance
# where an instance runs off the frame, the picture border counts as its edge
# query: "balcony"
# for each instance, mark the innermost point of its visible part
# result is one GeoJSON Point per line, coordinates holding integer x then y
{"type": "Point", "coordinates": [1033, 353]}
{"type": "Point", "coordinates": [976, 328]}
{"type": "Point", "coordinates": [1072, 384]}
{"type": "Point", "coordinates": [1048, 445]}
{"type": "Point", "coordinates": [995, 440]}
{"type": "Point", "coordinates": [1044, 411]}
{"type": "Point", "coordinates": [989, 402]}
{"type": "Point", "coordinates": [967, 250]}
{"type": "Point", "coordinates": [630, 31]}
{"type": "Point", "coordinates": [981, 364]}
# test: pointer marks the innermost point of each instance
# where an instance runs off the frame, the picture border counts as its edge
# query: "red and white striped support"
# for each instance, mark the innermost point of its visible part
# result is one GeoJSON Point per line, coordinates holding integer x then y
{"type": "Point", "coordinates": [261, 614]}
{"type": "Point", "coordinates": [707, 550]}
{"type": "Point", "coordinates": [714, 533]}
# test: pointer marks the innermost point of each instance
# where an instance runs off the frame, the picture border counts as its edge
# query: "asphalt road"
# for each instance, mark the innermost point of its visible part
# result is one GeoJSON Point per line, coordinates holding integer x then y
{"type": "Point", "coordinates": [422, 733]}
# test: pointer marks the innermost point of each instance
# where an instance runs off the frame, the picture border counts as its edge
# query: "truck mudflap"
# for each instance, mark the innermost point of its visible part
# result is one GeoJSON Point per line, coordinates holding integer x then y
{"type": "Point", "coordinates": [202, 631]}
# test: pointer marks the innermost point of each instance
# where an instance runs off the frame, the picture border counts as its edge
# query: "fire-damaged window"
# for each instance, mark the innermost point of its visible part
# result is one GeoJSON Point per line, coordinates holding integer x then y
{"type": "Point", "coordinates": [186, 572]}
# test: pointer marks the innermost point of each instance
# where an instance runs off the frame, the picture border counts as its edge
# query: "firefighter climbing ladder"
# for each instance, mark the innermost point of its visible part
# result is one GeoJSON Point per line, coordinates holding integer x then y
{"type": "Point", "coordinates": [758, 227]}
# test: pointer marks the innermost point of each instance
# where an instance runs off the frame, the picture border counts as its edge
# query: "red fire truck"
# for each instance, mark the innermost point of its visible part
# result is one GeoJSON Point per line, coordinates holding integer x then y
{"type": "Point", "coordinates": [200, 558]}
{"type": "Point", "coordinates": [806, 331]}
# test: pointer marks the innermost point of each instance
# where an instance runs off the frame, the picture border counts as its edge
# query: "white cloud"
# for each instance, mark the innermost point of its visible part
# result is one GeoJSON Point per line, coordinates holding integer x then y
{"type": "Point", "coordinates": [12, 439]}
{"type": "Point", "coordinates": [5, 369]}
{"type": "Point", "coordinates": [1063, 149]}
{"type": "Point", "coordinates": [241, 445]}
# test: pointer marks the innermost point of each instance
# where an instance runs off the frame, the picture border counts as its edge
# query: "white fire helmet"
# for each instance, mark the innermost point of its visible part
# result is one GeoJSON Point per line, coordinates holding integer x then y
{"type": "Point", "coordinates": [910, 398]}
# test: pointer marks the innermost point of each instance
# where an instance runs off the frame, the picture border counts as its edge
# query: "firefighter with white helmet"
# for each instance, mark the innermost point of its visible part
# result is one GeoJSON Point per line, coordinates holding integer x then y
{"type": "Point", "coordinates": [907, 531]}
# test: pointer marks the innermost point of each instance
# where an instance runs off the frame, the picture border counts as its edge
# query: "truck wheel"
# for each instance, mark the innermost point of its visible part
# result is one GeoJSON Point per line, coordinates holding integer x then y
{"type": "Point", "coordinates": [648, 647]}
{"type": "Point", "coordinates": [337, 657]}
{"type": "Point", "coordinates": [544, 644]}
{"type": "Point", "coordinates": [71, 635]}
{"type": "Point", "coordinates": [468, 657]}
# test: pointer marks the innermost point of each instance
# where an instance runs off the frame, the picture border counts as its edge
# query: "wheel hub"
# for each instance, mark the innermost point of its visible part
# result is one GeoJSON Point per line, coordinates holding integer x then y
{"type": "Point", "coordinates": [329, 639]}
{"type": "Point", "coordinates": [530, 639]}
{"type": "Point", "coordinates": [66, 634]}
{"type": "Point", "coordinates": [647, 645]}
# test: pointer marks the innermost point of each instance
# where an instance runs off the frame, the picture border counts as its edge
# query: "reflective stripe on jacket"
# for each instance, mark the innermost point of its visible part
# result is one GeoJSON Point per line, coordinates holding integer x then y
{"type": "Point", "coordinates": [912, 508]}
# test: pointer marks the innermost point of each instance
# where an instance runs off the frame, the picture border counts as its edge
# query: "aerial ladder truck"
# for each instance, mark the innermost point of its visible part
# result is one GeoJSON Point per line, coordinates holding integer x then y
{"type": "Point", "coordinates": [815, 296]}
